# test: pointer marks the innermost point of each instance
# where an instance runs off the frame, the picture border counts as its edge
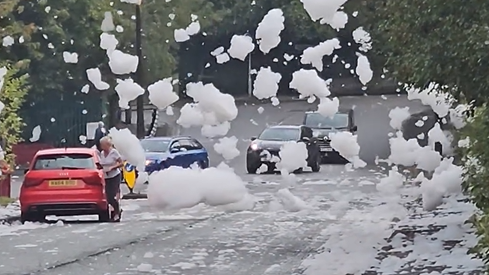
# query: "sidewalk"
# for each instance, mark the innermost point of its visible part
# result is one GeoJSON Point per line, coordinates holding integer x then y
{"type": "Point", "coordinates": [431, 243]}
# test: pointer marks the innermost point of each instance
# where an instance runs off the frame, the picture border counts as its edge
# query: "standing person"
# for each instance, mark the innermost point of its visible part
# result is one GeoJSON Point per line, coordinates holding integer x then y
{"type": "Point", "coordinates": [100, 132]}
{"type": "Point", "coordinates": [111, 161]}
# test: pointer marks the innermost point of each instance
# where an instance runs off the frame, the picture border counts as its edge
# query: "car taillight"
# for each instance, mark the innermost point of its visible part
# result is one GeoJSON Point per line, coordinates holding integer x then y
{"type": "Point", "coordinates": [94, 179]}
{"type": "Point", "coordinates": [29, 182]}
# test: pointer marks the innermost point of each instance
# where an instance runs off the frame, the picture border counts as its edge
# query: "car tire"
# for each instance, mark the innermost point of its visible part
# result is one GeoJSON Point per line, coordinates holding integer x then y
{"type": "Point", "coordinates": [251, 169]}
{"type": "Point", "coordinates": [104, 216]}
{"type": "Point", "coordinates": [32, 217]}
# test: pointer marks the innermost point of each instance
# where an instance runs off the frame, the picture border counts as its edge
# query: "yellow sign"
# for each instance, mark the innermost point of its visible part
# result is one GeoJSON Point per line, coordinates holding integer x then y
{"type": "Point", "coordinates": [62, 183]}
{"type": "Point", "coordinates": [129, 175]}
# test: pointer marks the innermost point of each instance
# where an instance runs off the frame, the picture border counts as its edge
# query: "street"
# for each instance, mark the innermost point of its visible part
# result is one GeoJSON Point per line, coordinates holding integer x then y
{"type": "Point", "coordinates": [280, 231]}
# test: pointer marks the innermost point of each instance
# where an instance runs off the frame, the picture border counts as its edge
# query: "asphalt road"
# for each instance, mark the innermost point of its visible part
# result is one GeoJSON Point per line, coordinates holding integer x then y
{"type": "Point", "coordinates": [269, 238]}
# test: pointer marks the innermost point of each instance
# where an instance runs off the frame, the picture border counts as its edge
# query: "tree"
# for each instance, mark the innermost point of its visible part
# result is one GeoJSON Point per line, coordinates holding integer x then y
{"type": "Point", "coordinates": [433, 41]}
{"type": "Point", "coordinates": [12, 96]}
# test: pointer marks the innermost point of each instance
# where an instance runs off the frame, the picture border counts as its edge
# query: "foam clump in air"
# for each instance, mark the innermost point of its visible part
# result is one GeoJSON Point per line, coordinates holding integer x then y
{"type": "Point", "coordinates": [95, 76]}
{"type": "Point", "coordinates": [127, 90]}
{"type": "Point", "coordinates": [241, 46]}
{"type": "Point", "coordinates": [308, 83]}
{"type": "Point", "coordinates": [108, 42]}
{"type": "Point", "coordinates": [36, 134]}
{"type": "Point", "coordinates": [178, 188]}
{"type": "Point", "coordinates": [346, 144]}
{"type": "Point", "coordinates": [182, 35]}
{"type": "Point", "coordinates": [161, 93]}
{"type": "Point", "coordinates": [314, 55]}
{"type": "Point", "coordinates": [326, 12]}
{"type": "Point", "coordinates": [135, 2]}
{"type": "Point", "coordinates": [328, 107]}
{"type": "Point", "coordinates": [122, 63]}
{"type": "Point", "coordinates": [129, 147]}
{"type": "Point", "coordinates": [363, 38]}
{"type": "Point", "coordinates": [269, 29]}
{"type": "Point", "coordinates": [432, 96]}
{"type": "Point", "coordinates": [108, 22]}
{"type": "Point", "coordinates": [226, 147]}
{"type": "Point", "coordinates": [398, 116]}
{"type": "Point", "coordinates": [211, 108]}
{"type": "Point", "coordinates": [8, 41]}
{"type": "Point", "coordinates": [70, 57]}
{"type": "Point", "coordinates": [266, 83]}
{"type": "Point", "coordinates": [363, 70]}
{"type": "Point", "coordinates": [293, 156]}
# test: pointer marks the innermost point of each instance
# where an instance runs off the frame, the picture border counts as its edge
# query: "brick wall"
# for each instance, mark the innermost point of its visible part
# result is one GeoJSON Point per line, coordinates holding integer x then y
{"type": "Point", "coordinates": [25, 151]}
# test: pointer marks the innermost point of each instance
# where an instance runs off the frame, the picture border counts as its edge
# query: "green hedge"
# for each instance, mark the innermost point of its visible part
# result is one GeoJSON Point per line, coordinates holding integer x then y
{"type": "Point", "coordinates": [476, 184]}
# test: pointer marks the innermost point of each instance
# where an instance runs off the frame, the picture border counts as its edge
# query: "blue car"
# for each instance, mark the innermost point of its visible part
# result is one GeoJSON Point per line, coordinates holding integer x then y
{"type": "Point", "coordinates": [163, 152]}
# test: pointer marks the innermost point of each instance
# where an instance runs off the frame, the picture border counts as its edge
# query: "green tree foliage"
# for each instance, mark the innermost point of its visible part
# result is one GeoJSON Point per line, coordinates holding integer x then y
{"type": "Point", "coordinates": [433, 41]}
{"type": "Point", "coordinates": [475, 161]}
{"type": "Point", "coordinates": [12, 96]}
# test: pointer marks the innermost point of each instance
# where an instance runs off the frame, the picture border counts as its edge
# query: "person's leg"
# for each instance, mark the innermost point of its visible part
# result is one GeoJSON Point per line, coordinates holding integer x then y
{"type": "Point", "coordinates": [117, 191]}
{"type": "Point", "coordinates": [111, 187]}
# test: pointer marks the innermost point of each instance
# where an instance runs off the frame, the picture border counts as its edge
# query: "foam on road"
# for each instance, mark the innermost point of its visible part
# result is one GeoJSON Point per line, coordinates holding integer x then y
{"type": "Point", "coordinates": [270, 239]}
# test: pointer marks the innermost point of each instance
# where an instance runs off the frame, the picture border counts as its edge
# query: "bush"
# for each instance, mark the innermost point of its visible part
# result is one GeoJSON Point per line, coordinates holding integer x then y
{"type": "Point", "coordinates": [12, 95]}
{"type": "Point", "coordinates": [476, 184]}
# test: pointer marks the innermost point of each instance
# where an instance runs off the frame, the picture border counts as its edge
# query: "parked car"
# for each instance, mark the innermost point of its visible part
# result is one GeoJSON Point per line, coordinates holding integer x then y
{"type": "Point", "coordinates": [273, 138]}
{"type": "Point", "coordinates": [64, 182]}
{"type": "Point", "coordinates": [163, 152]}
{"type": "Point", "coordinates": [323, 126]}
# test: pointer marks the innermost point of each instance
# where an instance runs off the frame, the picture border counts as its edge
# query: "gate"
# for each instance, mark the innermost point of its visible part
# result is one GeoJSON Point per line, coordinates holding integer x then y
{"type": "Point", "coordinates": [62, 118]}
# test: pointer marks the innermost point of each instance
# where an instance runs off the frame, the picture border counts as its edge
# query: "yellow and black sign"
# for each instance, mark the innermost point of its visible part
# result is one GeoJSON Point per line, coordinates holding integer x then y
{"type": "Point", "coordinates": [129, 175]}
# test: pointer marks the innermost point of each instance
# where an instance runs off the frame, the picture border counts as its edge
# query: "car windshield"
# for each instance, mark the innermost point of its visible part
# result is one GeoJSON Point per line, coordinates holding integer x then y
{"type": "Point", "coordinates": [280, 134]}
{"type": "Point", "coordinates": [155, 146]}
{"type": "Point", "coordinates": [64, 161]}
{"type": "Point", "coordinates": [316, 120]}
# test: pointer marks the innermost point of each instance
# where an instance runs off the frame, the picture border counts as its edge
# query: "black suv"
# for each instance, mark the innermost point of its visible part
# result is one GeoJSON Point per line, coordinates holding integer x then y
{"type": "Point", "coordinates": [273, 138]}
{"type": "Point", "coordinates": [323, 126]}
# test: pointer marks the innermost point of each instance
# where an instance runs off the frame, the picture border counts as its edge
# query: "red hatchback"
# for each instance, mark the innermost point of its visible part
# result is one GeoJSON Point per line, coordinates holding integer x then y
{"type": "Point", "coordinates": [64, 182]}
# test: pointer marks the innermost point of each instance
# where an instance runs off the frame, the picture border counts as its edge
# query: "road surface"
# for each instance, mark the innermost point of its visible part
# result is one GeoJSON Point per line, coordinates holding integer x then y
{"type": "Point", "coordinates": [273, 236]}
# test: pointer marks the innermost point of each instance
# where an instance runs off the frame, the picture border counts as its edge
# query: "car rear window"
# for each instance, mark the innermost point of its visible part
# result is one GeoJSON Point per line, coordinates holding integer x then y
{"type": "Point", "coordinates": [64, 161]}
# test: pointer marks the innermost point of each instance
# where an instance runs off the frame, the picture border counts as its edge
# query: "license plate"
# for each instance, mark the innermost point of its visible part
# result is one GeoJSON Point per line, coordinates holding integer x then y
{"type": "Point", "coordinates": [62, 183]}
{"type": "Point", "coordinates": [326, 149]}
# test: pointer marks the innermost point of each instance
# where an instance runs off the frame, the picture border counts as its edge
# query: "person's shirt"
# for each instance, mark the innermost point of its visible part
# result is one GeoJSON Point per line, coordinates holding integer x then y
{"type": "Point", "coordinates": [110, 160]}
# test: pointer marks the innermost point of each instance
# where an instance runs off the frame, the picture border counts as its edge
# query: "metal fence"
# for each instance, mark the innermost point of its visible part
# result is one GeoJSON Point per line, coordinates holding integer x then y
{"type": "Point", "coordinates": [62, 117]}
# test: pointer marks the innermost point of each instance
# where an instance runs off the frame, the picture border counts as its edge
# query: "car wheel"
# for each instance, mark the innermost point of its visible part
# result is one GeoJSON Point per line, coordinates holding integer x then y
{"type": "Point", "coordinates": [104, 216]}
{"type": "Point", "coordinates": [251, 169]}
{"type": "Point", "coordinates": [32, 217]}
{"type": "Point", "coordinates": [316, 165]}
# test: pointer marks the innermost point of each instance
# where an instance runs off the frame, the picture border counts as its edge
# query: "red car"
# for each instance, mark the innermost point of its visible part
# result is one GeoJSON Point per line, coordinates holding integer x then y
{"type": "Point", "coordinates": [64, 182]}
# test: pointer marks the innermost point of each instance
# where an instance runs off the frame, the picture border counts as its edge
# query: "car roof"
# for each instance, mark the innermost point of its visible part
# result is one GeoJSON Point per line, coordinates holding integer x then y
{"type": "Point", "coordinates": [69, 150]}
{"type": "Point", "coordinates": [285, 127]}
{"type": "Point", "coordinates": [340, 111]}
{"type": "Point", "coordinates": [166, 138]}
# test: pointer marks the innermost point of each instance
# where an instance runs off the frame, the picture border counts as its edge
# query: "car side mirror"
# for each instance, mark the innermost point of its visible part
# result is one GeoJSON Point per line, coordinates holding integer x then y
{"type": "Point", "coordinates": [174, 150]}
{"type": "Point", "coordinates": [99, 166]}
{"type": "Point", "coordinates": [253, 138]}
{"type": "Point", "coordinates": [354, 128]}
{"type": "Point", "coordinates": [25, 171]}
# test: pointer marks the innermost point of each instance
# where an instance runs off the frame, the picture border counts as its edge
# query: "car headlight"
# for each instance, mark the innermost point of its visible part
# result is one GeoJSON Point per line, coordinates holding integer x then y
{"type": "Point", "coordinates": [254, 146]}
{"type": "Point", "coordinates": [148, 162]}
{"type": "Point", "coordinates": [326, 138]}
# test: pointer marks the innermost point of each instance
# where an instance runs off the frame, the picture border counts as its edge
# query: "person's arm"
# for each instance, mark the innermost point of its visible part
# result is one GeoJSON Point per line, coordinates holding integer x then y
{"type": "Point", "coordinates": [118, 160]}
